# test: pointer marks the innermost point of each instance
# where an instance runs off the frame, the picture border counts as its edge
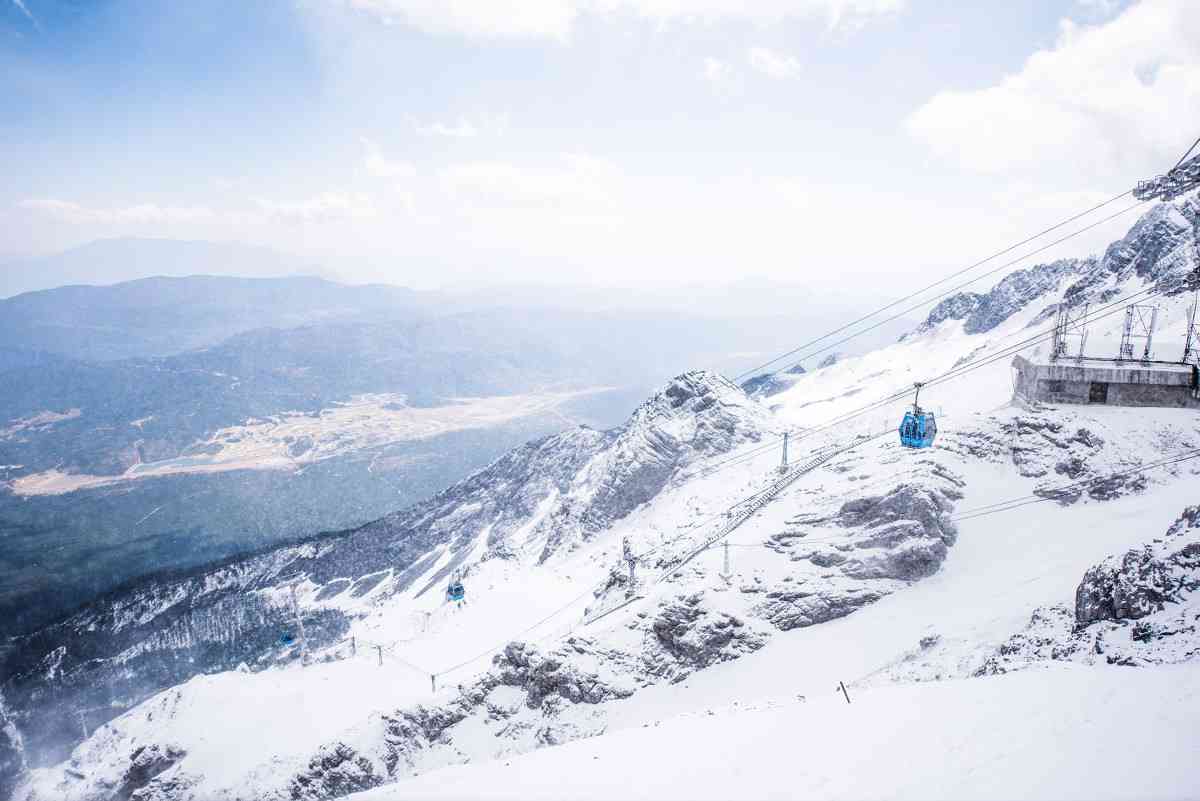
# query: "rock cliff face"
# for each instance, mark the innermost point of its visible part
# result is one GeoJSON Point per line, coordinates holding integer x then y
{"type": "Point", "coordinates": [1140, 607]}
{"type": "Point", "coordinates": [981, 312]}
{"type": "Point", "coordinates": [1160, 249]}
{"type": "Point", "coordinates": [767, 384]}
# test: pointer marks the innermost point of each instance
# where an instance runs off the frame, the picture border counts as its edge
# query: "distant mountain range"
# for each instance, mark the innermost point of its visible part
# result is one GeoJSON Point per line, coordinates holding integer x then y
{"type": "Point", "coordinates": [110, 261]}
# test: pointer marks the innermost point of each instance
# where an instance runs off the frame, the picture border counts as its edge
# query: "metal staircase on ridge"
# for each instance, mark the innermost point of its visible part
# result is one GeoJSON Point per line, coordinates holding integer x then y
{"type": "Point", "coordinates": [757, 501]}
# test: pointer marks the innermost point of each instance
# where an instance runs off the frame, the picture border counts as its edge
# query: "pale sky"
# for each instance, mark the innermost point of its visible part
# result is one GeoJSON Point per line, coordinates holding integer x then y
{"type": "Point", "coordinates": [433, 142]}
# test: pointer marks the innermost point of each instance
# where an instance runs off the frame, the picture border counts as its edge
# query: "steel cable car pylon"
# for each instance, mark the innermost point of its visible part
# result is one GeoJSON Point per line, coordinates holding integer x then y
{"type": "Point", "coordinates": [919, 427]}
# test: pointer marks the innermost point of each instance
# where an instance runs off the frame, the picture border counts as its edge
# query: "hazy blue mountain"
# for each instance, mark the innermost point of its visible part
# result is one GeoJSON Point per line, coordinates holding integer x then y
{"type": "Point", "coordinates": [159, 316]}
{"type": "Point", "coordinates": [109, 261]}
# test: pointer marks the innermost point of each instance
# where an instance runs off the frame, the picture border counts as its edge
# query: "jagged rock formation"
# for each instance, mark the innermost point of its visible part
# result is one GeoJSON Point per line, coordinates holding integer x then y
{"type": "Point", "coordinates": [765, 385]}
{"type": "Point", "coordinates": [981, 312]}
{"type": "Point", "coordinates": [1141, 607]}
{"type": "Point", "coordinates": [830, 360]}
{"type": "Point", "coordinates": [1160, 249]}
{"type": "Point", "coordinates": [688, 636]}
{"type": "Point", "coordinates": [899, 537]}
{"type": "Point", "coordinates": [529, 699]}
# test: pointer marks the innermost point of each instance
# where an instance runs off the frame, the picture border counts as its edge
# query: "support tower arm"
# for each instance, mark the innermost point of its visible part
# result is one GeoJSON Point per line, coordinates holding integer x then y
{"type": "Point", "coordinates": [1183, 178]}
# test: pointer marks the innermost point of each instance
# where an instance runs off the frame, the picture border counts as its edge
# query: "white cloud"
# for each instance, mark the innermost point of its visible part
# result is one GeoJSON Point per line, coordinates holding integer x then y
{"type": "Point", "coordinates": [140, 214]}
{"type": "Point", "coordinates": [1100, 7]}
{"type": "Point", "coordinates": [379, 166]}
{"type": "Point", "coordinates": [325, 207]}
{"type": "Point", "coordinates": [487, 125]}
{"type": "Point", "coordinates": [460, 130]}
{"type": "Point", "coordinates": [572, 179]}
{"type": "Point", "coordinates": [776, 65]}
{"type": "Point", "coordinates": [1107, 100]}
{"type": "Point", "coordinates": [718, 73]}
{"type": "Point", "coordinates": [555, 18]}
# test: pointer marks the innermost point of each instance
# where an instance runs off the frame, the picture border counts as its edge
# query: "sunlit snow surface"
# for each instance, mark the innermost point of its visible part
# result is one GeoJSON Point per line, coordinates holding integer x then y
{"type": "Point", "coordinates": [1062, 733]}
{"type": "Point", "coordinates": [1051, 732]}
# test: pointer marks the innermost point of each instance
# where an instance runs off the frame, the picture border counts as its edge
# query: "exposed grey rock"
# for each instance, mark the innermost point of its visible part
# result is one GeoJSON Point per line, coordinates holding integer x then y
{"type": "Point", "coordinates": [336, 770]}
{"type": "Point", "coordinates": [688, 637]}
{"type": "Point", "coordinates": [919, 511]}
{"type": "Point", "coordinates": [1017, 290]}
{"type": "Point", "coordinates": [1139, 608]}
{"type": "Point", "coordinates": [956, 307]}
{"type": "Point", "coordinates": [549, 685]}
{"type": "Point", "coordinates": [145, 764]}
{"type": "Point", "coordinates": [830, 360]}
{"type": "Point", "coordinates": [542, 675]}
{"type": "Point", "coordinates": [764, 385]}
{"type": "Point", "coordinates": [805, 606]}
{"type": "Point", "coordinates": [1136, 584]}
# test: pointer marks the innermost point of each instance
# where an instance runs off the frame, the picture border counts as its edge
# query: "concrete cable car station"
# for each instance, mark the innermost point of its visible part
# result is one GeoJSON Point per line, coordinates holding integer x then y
{"type": "Point", "coordinates": [1133, 378]}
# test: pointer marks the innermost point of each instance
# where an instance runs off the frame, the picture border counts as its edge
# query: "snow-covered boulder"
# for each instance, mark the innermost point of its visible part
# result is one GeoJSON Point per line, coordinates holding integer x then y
{"type": "Point", "coordinates": [687, 635]}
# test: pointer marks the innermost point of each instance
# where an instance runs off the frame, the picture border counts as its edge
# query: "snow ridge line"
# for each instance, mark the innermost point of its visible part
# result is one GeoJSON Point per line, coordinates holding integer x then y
{"type": "Point", "coordinates": [762, 499]}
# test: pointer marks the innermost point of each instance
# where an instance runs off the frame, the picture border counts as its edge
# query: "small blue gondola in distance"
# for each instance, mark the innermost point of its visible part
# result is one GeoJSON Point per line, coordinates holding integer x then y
{"type": "Point", "coordinates": [919, 427]}
{"type": "Point", "coordinates": [456, 591]}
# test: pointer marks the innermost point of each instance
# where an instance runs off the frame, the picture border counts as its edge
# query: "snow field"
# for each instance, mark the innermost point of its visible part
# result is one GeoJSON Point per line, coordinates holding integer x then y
{"type": "Point", "coordinates": [1059, 733]}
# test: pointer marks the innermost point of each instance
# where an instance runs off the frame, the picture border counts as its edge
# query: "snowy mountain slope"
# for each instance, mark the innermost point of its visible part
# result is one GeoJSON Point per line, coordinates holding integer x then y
{"type": "Point", "coordinates": [859, 565]}
{"type": "Point", "coordinates": [1062, 734]}
{"type": "Point", "coordinates": [547, 496]}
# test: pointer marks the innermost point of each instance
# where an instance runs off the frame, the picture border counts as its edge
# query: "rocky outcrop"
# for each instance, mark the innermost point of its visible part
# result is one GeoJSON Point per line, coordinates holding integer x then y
{"type": "Point", "coordinates": [1140, 582]}
{"type": "Point", "coordinates": [803, 605]}
{"type": "Point", "coordinates": [764, 385]}
{"type": "Point", "coordinates": [1139, 608]}
{"type": "Point", "coordinates": [830, 360]}
{"type": "Point", "coordinates": [337, 770]}
{"type": "Point", "coordinates": [526, 699]}
{"type": "Point", "coordinates": [146, 763]}
{"type": "Point", "coordinates": [1159, 249]}
{"type": "Point", "coordinates": [981, 312]}
{"type": "Point", "coordinates": [688, 636]}
{"type": "Point", "coordinates": [1017, 290]}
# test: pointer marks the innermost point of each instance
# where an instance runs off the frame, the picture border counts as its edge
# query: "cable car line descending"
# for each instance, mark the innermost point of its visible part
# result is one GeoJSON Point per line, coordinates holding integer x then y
{"type": "Point", "coordinates": [1056, 493]}
{"type": "Point", "coordinates": [1166, 187]}
{"type": "Point", "coordinates": [1016, 502]}
{"type": "Point", "coordinates": [923, 303]}
{"type": "Point", "coordinates": [759, 500]}
{"type": "Point", "coordinates": [750, 505]}
{"type": "Point", "coordinates": [955, 372]}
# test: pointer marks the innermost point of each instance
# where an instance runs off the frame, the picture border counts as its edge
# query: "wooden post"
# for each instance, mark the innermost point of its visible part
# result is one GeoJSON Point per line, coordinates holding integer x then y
{"type": "Point", "coordinates": [842, 687]}
{"type": "Point", "coordinates": [433, 682]}
{"type": "Point", "coordinates": [379, 650]}
{"type": "Point", "coordinates": [353, 647]}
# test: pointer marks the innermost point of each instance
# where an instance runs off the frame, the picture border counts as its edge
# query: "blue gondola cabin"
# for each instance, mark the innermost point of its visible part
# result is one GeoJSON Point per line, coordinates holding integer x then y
{"type": "Point", "coordinates": [919, 427]}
